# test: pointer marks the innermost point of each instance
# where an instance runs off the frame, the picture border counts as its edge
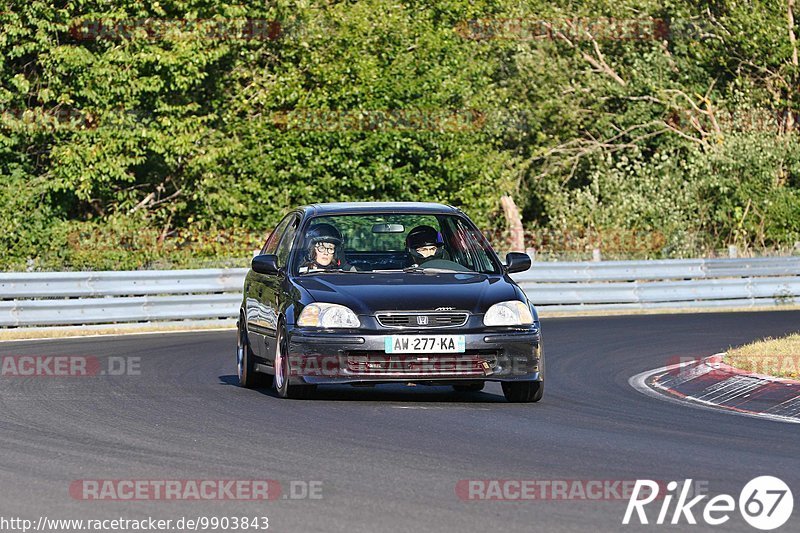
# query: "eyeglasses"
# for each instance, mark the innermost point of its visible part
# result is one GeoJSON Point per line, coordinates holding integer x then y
{"type": "Point", "coordinates": [431, 249]}
{"type": "Point", "coordinates": [325, 248]}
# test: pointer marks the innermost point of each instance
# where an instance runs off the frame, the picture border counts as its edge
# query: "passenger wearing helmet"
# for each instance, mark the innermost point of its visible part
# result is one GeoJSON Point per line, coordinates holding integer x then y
{"type": "Point", "coordinates": [423, 245]}
{"type": "Point", "coordinates": [324, 249]}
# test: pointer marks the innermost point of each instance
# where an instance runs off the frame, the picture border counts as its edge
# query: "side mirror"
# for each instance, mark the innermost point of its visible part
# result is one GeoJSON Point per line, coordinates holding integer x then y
{"type": "Point", "coordinates": [517, 262]}
{"type": "Point", "coordinates": [265, 264]}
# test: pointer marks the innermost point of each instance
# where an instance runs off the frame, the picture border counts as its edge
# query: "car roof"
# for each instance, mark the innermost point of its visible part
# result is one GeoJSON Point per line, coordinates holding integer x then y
{"type": "Point", "coordinates": [340, 208]}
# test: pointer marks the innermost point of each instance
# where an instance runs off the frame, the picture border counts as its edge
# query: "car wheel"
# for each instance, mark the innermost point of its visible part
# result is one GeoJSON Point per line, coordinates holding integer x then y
{"type": "Point", "coordinates": [470, 387]}
{"type": "Point", "coordinates": [523, 391]}
{"type": "Point", "coordinates": [285, 390]}
{"type": "Point", "coordinates": [245, 361]}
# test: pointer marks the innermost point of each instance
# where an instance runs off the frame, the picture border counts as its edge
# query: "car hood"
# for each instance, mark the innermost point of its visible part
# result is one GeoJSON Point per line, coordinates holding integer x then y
{"type": "Point", "coordinates": [366, 293]}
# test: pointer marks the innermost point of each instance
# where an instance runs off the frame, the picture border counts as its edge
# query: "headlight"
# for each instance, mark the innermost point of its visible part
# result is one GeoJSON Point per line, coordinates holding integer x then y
{"type": "Point", "coordinates": [321, 315]}
{"type": "Point", "coordinates": [511, 313]}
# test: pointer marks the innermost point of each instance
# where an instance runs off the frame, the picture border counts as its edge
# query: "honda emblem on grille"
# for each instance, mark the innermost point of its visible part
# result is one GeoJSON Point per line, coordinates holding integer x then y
{"type": "Point", "coordinates": [422, 320]}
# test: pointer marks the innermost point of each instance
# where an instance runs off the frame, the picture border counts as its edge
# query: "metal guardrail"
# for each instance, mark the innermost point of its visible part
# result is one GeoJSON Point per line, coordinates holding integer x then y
{"type": "Point", "coordinates": [673, 283]}
{"type": "Point", "coordinates": [77, 298]}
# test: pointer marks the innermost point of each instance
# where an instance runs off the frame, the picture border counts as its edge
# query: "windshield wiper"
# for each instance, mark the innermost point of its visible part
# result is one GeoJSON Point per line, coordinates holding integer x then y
{"type": "Point", "coordinates": [432, 270]}
{"type": "Point", "coordinates": [328, 271]}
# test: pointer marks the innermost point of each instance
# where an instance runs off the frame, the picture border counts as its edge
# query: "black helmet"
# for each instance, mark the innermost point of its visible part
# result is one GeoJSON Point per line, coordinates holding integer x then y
{"type": "Point", "coordinates": [423, 236]}
{"type": "Point", "coordinates": [323, 233]}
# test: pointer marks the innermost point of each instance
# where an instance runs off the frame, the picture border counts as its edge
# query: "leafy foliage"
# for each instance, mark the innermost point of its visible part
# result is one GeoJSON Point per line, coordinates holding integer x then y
{"type": "Point", "coordinates": [137, 134]}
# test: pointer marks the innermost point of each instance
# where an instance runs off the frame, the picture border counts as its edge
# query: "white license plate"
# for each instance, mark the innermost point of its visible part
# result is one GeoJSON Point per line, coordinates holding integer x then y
{"type": "Point", "coordinates": [424, 344]}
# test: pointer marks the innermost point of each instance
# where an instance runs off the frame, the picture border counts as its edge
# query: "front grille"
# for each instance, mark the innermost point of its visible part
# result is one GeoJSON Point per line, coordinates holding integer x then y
{"type": "Point", "coordinates": [422, 320]}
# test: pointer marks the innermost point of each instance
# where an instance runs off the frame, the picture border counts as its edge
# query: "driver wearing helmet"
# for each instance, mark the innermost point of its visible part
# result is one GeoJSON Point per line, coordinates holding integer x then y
{"type": "Point", "coordinates": [423, 244]}
{"type": "Point", "coordinates": [324, 249]}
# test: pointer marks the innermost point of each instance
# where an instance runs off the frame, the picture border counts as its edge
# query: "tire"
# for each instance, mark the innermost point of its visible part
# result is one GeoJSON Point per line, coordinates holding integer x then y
{"type": "Point", "coordinates": [245, 361]}
{"type": "Point", "coordinates": [470, 387]}
{"type": "Point", "coordinates": [282, 386]}
{"type": "Point", "coordinates": [523, 391]}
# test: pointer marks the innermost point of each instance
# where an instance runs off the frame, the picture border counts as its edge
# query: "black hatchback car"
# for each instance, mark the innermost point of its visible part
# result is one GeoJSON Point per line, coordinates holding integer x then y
{"type": "Point", "coordinates": [371, 293]}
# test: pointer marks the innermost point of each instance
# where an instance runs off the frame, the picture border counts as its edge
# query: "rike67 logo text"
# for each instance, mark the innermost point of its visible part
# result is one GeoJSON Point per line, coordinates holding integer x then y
{"type": "Point", "coordinates": [765, 503]}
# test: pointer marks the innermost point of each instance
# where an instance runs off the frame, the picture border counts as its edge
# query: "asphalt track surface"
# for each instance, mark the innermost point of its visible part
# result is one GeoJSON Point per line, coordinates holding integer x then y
{"type": "Point", "coordinates": [388, 458]}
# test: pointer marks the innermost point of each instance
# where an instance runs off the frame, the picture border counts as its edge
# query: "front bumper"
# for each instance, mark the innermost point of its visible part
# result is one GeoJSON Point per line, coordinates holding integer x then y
{"type": "Point", "coordinates": [317, 357]}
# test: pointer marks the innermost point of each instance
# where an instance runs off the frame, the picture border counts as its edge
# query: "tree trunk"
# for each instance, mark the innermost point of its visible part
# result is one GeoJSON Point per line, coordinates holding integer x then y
{"type": "Point", "coordinates": [514, 222]}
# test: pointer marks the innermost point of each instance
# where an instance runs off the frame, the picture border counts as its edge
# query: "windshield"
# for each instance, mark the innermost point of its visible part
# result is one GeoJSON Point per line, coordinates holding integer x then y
{"type": "Point", "coordinates": [390, 242]}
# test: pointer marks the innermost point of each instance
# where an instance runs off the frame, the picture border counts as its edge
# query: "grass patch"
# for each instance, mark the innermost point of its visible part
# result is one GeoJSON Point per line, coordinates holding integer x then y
{"type": "Point", "coordinates": [111, 329]}
{"type": "Point", "coordinates": [775, 357]}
